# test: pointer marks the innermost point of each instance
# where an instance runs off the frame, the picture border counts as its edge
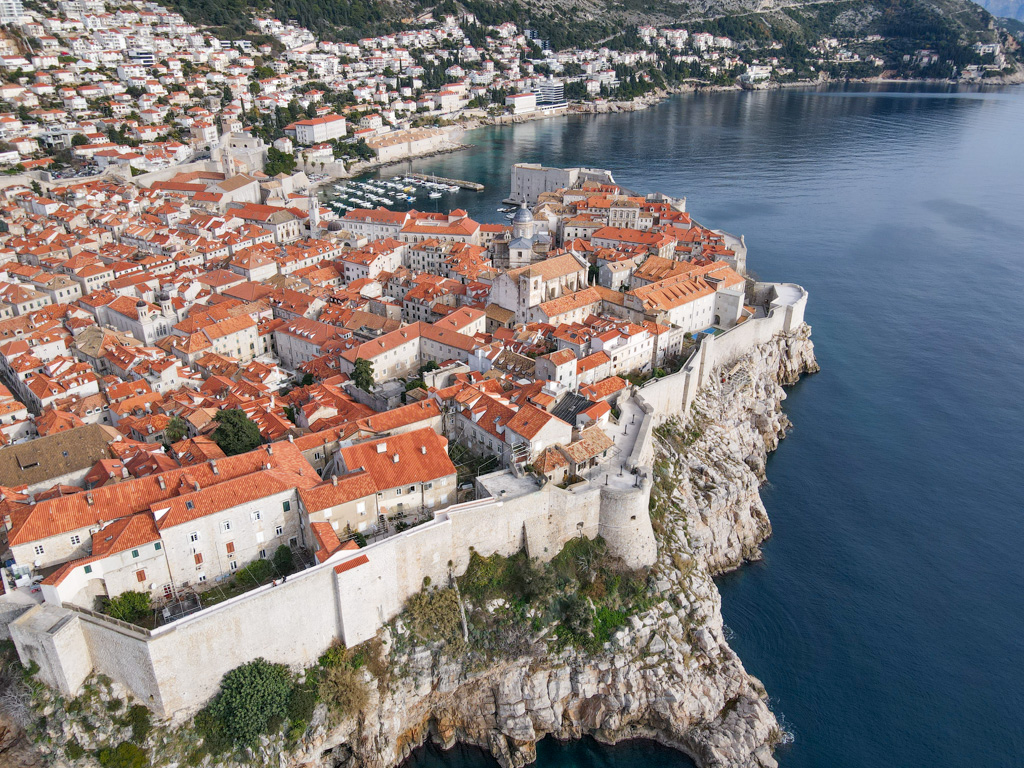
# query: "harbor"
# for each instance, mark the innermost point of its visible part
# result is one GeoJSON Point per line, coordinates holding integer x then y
{"type": "Point", "coordinates": [470, 185]}
{"type": "Point", "coordinates": [393, 192]}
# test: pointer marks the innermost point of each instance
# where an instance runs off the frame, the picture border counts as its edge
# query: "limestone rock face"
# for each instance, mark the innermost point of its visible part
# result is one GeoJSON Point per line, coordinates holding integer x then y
{"type": "Point", "coordinates": [669, 675]}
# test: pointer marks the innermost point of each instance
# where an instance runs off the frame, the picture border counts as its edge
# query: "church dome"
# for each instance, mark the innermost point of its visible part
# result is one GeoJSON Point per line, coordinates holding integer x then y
{"type": "Point", "coordinates": [335, 226]}
{"type": "Point", "coordinates": [523, 216]}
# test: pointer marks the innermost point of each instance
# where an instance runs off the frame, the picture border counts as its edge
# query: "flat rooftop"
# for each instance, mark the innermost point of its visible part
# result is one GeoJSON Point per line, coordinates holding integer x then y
{"type": "Point", "coordinates": [496, 483]}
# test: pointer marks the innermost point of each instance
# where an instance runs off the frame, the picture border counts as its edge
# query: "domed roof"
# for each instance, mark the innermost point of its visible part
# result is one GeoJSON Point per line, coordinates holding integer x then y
{"type": "Point", "coordinates": [335, 226]}
{"type": "Point", "coordinates": [523, 215]}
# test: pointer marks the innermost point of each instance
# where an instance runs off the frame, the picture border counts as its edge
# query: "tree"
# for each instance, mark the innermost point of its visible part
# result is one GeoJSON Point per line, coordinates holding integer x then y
{"type": "Point", "coordinates": [235, 433]}
{"type": "Point", "coordinates": [362, 374]}
{"type": "Point", "coordinates": [176, 429]}
{"type": "Point", "coordinates": [279, 162]}
{"type": "Point", "coordinates": [79, 140]}
{"type": "Point", "coordinates": [36, 187]}
{"type": "Point", "coordinates": [283, 560]}
{"type": "Point", "coordinates": [250, 696]}
{"type": "Point", "coordinates": [130, 606]}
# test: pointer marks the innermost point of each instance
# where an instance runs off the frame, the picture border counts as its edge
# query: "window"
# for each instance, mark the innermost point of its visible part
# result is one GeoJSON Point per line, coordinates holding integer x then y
{"type": "Point", "coordinates": [189, 505]}
{"type": "Point", "coordinates": [412, 489]}
{"type": "Point", "coordinates": [194, 536]}
{"type": "Point", "coordinates": [140, 576]}
{"type": "Point", "coordinates": [76, 540]}
{"type": "Point", "coordinates": [233, 565]}
{"type": "Point", "coordinates": [279, 530]}
{"type": "Point", "coordinates": [286, 506]}
{"type": "Point", "coordinates": [398, 491]}
{"type": "Point", "coordinates": [88, 569]}
{"type": "Point", "coordinates": [135, 553]}
{"type": "Point", "coordinates": [158, 546]}
{"type": "Point", "coordinates": [202, 578]}
{"type": "Point", "coordinates": [168, 591]}
{"type": "Point", "coordinates": [199, 558]}
{"type": "Point", "coordinates": [257, 515]}
{"type": "Point", "coordinates": [263, 554]}
{"type": "Point", "coordinates": [226, 525]}
{"type": "Point", "coordinates": [231, 547]}
{"type": "Point", "coordinates": [39, 549]}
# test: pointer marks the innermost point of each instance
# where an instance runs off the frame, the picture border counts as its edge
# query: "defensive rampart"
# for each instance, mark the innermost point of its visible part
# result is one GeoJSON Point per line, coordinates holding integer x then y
{"type": "Point", "coordinates": [177, 667]}
{"type": "Point", "coordinates": [673, 395]}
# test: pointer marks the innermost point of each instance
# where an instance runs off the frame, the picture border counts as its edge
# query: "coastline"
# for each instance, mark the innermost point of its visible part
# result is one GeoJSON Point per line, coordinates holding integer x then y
{"type": "Point", "coordinates": [578, 109]}
{"type": "Point", "coordinates": [668, 675]}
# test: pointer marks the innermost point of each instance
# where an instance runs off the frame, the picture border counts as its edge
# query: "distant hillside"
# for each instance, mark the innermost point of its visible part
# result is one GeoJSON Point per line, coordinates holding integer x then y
{"type": "Point", "coordinates": [1010, 9]}
{"type": "Point", "coordinates": [570, 23]}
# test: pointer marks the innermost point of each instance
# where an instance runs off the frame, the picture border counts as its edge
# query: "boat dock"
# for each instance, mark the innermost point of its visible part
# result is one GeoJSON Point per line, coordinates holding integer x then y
{"type": "Point", "coordinates": [471, 185]}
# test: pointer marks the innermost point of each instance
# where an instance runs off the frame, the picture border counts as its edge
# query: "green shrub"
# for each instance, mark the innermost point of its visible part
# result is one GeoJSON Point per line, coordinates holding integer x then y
{"type": "Point", "coordinates": [343, 691]}
{"type": "Point", "coordinates": [216, 739]}
{"type": "Point", "coordinates": [435, 616]}
{"type": "Point", "coordinates": [140, 721]}
{"type": "Point", "coordinates": [334, 656]}
{"type": "Point", "coordinates": [250, 695]}
{"type": "Point", "coordinates": [124, 755]}
{"type": "Point", "coordinates": [129, 606]}
{"type": "Point", "coordinates": [74, 750]}
{"type": "Point", "coordinates": [302, 701]}
{"type": "Point", "coordinates": [577, 617]}
{"type": "Point", "coordinates": [255, 573]}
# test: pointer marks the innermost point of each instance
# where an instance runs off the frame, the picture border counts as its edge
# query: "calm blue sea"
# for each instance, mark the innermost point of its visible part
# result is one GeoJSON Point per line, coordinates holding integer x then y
{"type": "Point", "coordinates": [887, 618]}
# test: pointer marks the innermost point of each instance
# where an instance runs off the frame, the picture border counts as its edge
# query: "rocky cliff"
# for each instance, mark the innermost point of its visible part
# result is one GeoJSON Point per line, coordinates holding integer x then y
{"type": "Point", "coordinates": [668, 674]}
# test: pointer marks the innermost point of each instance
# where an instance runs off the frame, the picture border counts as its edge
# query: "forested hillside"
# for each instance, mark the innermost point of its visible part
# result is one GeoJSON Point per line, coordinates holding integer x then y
{"type": "Point", "coordinates": [910, 24]}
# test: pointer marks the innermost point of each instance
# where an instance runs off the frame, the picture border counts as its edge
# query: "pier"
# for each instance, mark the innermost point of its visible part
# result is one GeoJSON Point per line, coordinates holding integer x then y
{"type": "Point", "coordinates": [471, 185]}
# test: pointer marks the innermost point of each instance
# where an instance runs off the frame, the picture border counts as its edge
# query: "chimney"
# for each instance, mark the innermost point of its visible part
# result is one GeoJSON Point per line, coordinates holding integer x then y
{"type": "Point", "coordinates": [291, 438]}
{"type": "Point", "coordinates": [334, 479]}
{"type": "Point", "coordinates": [160, 480]}
{"type": "Point", "coordinates": [270, 450]}
{"type": "Point", "coordinates": [124, 471]}
{"type": "Point", "coordinates": [213, 466]}
{"type": "Point", "coordinates": [382, 447]}
{"type": "Point", "coordinates": [395, 458]}
{"type": "Point", "coordinates": [423, 450]}
{"type": "Point", "coordinates": [88, 499]}
{"type": "Point", "coordinates": [195, 484]}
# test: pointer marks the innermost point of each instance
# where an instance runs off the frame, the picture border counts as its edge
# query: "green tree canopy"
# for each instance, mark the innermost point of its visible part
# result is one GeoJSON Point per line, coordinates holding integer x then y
{"type": "Point", "coordinates": [250, 695]}
{"type": "Point", "coordinates": [79, 140]}
{"type": "Point", "coordinates": [235, 432]}
{"type": "Point", "coordinates": [129, 606]}
{"type": "Point", "coordinates": [279, 162]}
{"type": "Point", "coordinates": [175, 430]}
{"type": "Point", "coordinates": [362, 374]}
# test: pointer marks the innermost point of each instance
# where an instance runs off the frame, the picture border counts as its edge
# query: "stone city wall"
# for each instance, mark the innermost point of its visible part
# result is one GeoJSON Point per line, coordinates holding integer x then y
{"type": "Point", "coordinates": [673, 395]}
{"type": "Point", "coordinates": [176, 668]}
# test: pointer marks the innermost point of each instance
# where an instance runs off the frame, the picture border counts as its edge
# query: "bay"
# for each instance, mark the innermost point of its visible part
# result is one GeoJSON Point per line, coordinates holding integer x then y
{"type": "Point", "coordinates": [887, 618]}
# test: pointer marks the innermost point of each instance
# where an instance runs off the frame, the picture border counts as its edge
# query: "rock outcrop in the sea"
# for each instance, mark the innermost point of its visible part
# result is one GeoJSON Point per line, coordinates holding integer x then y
{"type": "Point", "coordinates": [667, 675]}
